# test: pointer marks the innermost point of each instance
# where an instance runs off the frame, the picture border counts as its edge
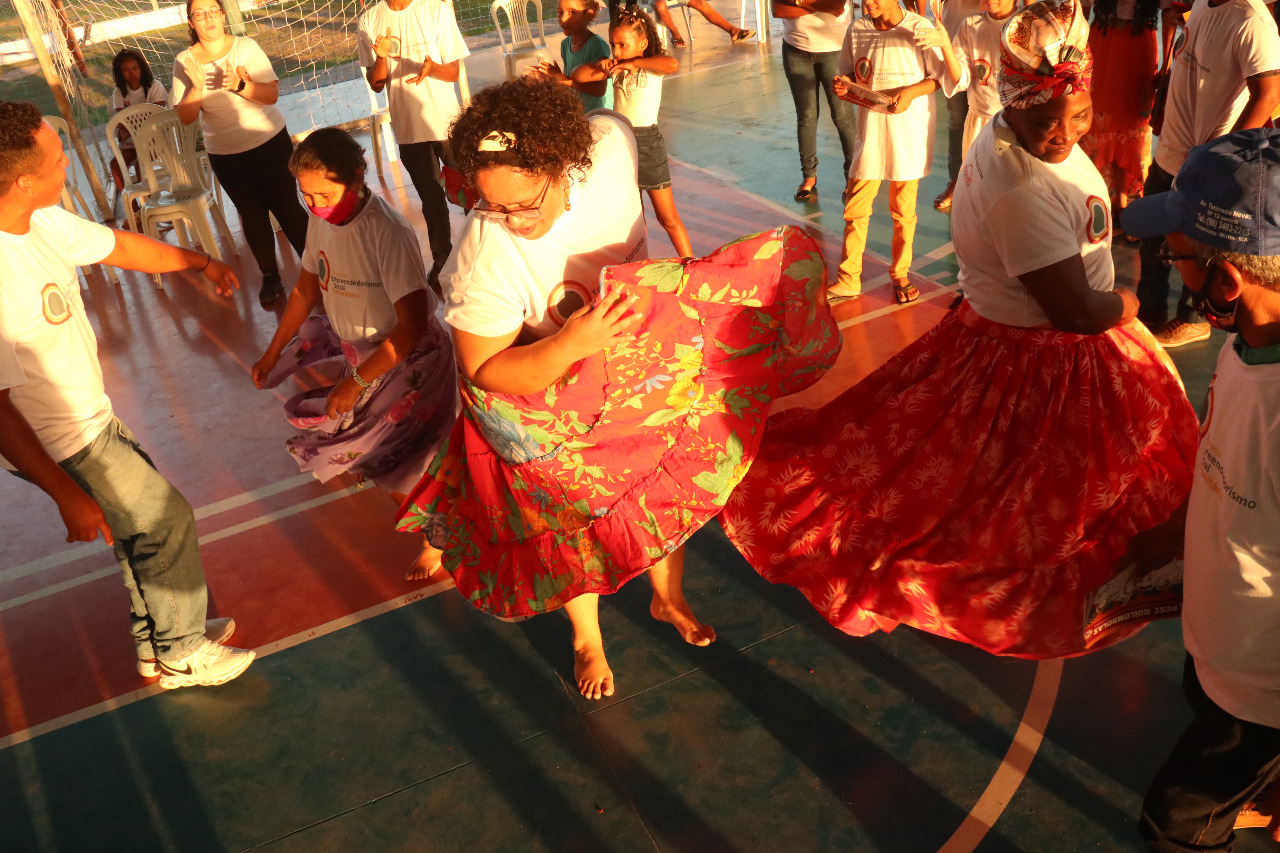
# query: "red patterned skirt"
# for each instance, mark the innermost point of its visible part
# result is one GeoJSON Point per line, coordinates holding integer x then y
{"type": "Point", "coordinates": [1119, 141]}
{"type": "Point", "coordinates": [975, 486]}
{"type": "Point", "coordinates": [538, 499]}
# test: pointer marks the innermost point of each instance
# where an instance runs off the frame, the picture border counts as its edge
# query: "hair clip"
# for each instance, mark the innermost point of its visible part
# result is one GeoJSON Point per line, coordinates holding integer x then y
{"type": "Point", "coordinates": [497, 140]}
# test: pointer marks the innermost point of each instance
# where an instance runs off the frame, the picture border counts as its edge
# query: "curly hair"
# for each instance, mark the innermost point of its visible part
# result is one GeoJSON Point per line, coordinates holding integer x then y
{"type": "Point", "coordinates": [331, 151]}
{"type": "Point", "coordinates": [191, 31]}
{"type": "Point", "coordinates": [19, 152]}
{"type": "Point", "coordinates": [552, 135]}
{"type": "Point", "coordinates": [1146, 15]}
{"type": "Point", "coordinates": [118, 63]}
{"type": "Point", "coordinates": [641, 24]}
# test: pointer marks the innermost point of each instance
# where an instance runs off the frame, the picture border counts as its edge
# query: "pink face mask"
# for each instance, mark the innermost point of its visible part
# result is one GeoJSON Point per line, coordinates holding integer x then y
{"type": "Point", "coordinates": [336, 214]}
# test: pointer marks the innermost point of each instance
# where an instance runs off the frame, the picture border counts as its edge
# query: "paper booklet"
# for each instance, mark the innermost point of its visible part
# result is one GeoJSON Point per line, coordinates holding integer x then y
{"type": "Point", "coordinates": [869, 98]}
{"type": "Point", "coordinates": [1132, 597]}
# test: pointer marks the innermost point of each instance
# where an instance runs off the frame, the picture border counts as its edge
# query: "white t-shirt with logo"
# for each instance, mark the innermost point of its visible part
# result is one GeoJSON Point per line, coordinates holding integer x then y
{"type": "Point", "coordinates": [496, 282]}
{"type": "Point", "coordinates": [817, 32]}
{"type": "Point", "coordinates": [894, 147]}
{"type": "Point", "coordinates": [48, 352]}
{"type": "Point", "coordinates": [365, 267]}
{"type": "Point", "coordinates": [420, 112]}
{"type": "Point", "coordinates": [1014, 213]}
{"type": "Point", "coordinates": [637, 94]}
{"type": "Point", "coordinates": [231, 124]}
{"type": "Point", "coordinates": [1231, 576]}
{"type": "Point", "coordinates": [157, 94]}
{"type": "Point", "coordinates": [1207, 93]}
{"type": "Point", "coordinates": [977, 47]}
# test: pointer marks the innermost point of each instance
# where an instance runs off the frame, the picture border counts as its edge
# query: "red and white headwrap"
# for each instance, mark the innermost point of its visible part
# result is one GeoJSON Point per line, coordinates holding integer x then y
{"type": "Point", "coordinates": [1044, 54]}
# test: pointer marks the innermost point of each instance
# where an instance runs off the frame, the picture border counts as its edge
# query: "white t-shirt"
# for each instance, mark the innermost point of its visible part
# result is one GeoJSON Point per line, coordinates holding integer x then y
{"type": "Point", "coordinates": [1225, 44]}
{"type": "Point", "coordinates": [365, 267]}
{"type": "Point", "coordinates": [231, 124]}
{"type": "Point", "coordinates": [494, 281]}
{"type": "Point", "coordinates": [48, 352]}
{"type": "Point", "coordinates": [157, 94]}
{"type": "Point", "coordinates": [420, 112]}
{"type": "Point", "coordinates": [893, 147]}
{"type": "Point", "coordinates": [1014, 213]}
{"type": "Point", "coordinates": [817, 32]}
{"type": "Point", "coordinates": [977, 48]}
{"type": "Point", "coordinates": [638, 95]}
{"type": "Point", "coordinates": [1231, 577]}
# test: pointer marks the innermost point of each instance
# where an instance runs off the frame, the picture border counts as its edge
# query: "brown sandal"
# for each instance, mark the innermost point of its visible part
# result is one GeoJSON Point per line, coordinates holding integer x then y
{"type": "Point", "coordinates": [905, 292]}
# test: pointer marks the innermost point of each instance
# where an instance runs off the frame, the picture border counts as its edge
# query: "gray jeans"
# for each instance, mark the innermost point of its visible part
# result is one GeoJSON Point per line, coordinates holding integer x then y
{"type": "Point", "coordinates": [156, 542]}
{"type": "Point", "coordinates": [807, 74]}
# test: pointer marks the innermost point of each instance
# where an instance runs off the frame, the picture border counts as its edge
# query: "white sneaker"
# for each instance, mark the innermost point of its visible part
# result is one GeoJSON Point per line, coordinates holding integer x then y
{"type": "Point", "coordinates": [208, 665]}
{"type": "Point", "coordinates": [217, 630]}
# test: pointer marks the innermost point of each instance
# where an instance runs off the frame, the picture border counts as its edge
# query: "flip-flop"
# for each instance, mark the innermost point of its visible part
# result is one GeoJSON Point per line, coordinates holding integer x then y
{"type": "Point", "coordinates": [742, 35]}
{"type": "Point", "coordinates": [942, 203]}
{"type": "Point", "coordinates": [678, 41]}
{"type": "Point", "coordinates": [902, 292]}
{"type": "Point", "coordinates": [804, 193]}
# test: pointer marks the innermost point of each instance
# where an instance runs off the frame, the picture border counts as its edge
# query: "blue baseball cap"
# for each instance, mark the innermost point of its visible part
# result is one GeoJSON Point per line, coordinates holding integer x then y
{"type": "Point", "coordinates": [1226, 195]}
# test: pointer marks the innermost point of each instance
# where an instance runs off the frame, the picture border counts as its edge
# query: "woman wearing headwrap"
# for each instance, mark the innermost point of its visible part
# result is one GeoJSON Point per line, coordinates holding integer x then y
{"type": "Point", "coordinates": [984, 479]}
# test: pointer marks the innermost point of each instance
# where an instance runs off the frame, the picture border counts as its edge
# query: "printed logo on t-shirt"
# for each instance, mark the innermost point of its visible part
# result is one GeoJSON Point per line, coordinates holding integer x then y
{"type": "Point", "coordinates": [862, 70]}
{"type": "Point", "coordinates": [323, 271]}
{"type": "Point", "coordinates": [982, 72]}
{"type": "Point", "coordinates": [1098, 227]}
{"type": "Point", "coordinates": [566, 298]}
{"type": "Point", "coordinates": [54, 304]}
{"type": "Point", "coordinates": [1208, 409]}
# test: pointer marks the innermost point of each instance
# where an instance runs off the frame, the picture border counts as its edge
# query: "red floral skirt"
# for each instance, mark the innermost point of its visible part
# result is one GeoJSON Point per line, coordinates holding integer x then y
{"type": "Point", "coordinates": [1119, 141]}
{"type": "Point", "coordinates": [975, 486]}
{"type": "Point", "coordinates": [538, 499]}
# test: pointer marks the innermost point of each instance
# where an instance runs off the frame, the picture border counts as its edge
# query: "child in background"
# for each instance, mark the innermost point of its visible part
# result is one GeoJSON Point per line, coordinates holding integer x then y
{"type": "Point", "coordinates": [977, 47]}
{"type": "Point", "coordinates": [397, 397]}
{"type": "Point", "coordinates": [637, 68]}
{"type": "Point", "coordinates": [580, 46]}
{"type": "Point", "coordinates": [134, 85]}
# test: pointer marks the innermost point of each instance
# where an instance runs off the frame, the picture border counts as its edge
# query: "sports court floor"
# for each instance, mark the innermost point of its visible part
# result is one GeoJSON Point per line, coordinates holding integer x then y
{"type": "Point", "coordinates": [388, 716]}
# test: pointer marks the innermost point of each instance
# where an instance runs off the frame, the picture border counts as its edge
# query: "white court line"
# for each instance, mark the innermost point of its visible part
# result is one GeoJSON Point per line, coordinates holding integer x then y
{"type": "Point", "coordinates": [266, 518]}
{"type": "Point", "coordinates": [70, 555]}
{"type": "Point", "coordinates": [1013, 769]}
{"type": "Point", "coordinates": [262, 651]}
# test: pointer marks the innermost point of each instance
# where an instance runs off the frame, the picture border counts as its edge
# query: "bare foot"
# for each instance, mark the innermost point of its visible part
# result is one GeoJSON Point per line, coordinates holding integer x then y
{"type": "Point", "coordinates": [427, 567]}
{"type": "Point", "coordinates": [590, 668]}
{"type": "Point", "coordinates": [693, 631]}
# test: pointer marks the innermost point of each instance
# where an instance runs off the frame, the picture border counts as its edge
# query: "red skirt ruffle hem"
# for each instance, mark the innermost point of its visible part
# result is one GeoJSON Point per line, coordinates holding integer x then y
{"type": "Point", "coordinates": [538, 499]}
{"type": "Point", "coordinates": [975, 486]}
{"type": "Point", "coordinates": [1119, 141]}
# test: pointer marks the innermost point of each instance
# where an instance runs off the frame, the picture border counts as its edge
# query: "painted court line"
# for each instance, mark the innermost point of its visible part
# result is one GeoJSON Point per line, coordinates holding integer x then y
{"type": "Point", "coordinates": [1013, 769]}
{"type": "Point", "coordinates": [266, 518]}
{"type": "Point", "coordinates": [70, 555]}
{"type": "Point", "coordinates": [263, 651]}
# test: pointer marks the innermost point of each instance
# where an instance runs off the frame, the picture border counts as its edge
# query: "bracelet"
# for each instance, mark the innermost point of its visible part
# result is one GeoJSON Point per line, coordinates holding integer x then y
{"type": "Point", "coordinates": [355, 374]}
{"type": "Point", "coordinates": [208, 258]}
{"type": "Point", "coordinates": [240, 88]}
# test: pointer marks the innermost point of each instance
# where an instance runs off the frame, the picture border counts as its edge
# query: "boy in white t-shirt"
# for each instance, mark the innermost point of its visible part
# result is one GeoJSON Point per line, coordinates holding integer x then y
{"type": "Point", "coordinates": [57, 429]}
{"type": "Point", "coordinates": [1219, 227]}
{"type": "Point", "coordinates": [412, 48]}
{"type": "Point", "coordinates": [899, 54]}
{"type": "Point", "coordinates": [1224, 78]}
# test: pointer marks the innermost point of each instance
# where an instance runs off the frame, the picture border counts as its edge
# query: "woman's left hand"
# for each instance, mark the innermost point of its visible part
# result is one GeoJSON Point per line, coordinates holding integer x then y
{"type": "Point", "coordinates": [342, 398]}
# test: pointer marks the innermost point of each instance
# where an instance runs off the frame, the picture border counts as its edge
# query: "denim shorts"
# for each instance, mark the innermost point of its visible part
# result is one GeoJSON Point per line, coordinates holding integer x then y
{"type": "Point", "coordinates": [654, 174]}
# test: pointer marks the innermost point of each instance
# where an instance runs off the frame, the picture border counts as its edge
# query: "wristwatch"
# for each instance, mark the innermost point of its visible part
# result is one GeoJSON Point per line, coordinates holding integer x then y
{"type": "Point", "coordinates": [240, 88]}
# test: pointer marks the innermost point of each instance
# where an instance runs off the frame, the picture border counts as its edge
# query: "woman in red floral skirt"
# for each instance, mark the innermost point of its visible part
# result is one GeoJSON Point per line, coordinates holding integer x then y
{"type": "Point", "coordinates": [985, 478]}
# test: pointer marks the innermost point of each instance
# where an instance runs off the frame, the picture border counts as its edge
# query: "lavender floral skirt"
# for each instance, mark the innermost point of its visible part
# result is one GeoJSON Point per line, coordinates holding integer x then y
{"type": "Point", "coordinates": [397, 424]}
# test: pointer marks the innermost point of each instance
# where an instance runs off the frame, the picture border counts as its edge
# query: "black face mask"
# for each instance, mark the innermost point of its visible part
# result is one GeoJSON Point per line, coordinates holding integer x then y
{"type": "Point", "coordinates": [1223, 318]}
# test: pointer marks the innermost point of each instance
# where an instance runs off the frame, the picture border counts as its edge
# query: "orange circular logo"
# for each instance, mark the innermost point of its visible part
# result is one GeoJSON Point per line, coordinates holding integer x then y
{"type": "Point", "coordinates": [323, 271]}
{"type": "Point", "coordinates": [566, 298]}
{"type": "Point", "coordinates": [1099, 225]}
{"type": "Point", "coordinates": [54, 305]}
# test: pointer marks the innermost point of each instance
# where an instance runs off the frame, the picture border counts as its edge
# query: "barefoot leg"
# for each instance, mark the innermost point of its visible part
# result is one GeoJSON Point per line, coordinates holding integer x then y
{"type": "Point", "coordinates": [703, 8]}
{"type": "Point", "coordinates": [664, 18]}
{"type": "Point", "coordinates": [590, 668]}
{"type": "Point", "coordinates": [664, 207]}
{"type": "Point", "coordinates": [669, 605]}
{"type": "Point", "coordinates": [428, 565]}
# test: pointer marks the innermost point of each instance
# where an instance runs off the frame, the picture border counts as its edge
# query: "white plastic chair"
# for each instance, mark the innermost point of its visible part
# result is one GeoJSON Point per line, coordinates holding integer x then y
{"type": "Point", "coordinates": [131, 118]}
{"type": "Point", "coordinates": [664, 35]}
{"type": "Point", "coordinates": [519, 42]}
{"type": "Point", "coordinates": [186, 198]}
{"type": "Point", "coordinates": [72, 199]}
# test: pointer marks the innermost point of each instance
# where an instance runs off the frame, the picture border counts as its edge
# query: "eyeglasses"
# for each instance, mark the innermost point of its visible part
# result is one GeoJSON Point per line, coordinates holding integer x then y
{"type": "Point", "coordinates": [1168, 258]}
{"type": "Point", "coordinates": [211, 15]}
{"type": "Point", "coordinates": [526, 212]}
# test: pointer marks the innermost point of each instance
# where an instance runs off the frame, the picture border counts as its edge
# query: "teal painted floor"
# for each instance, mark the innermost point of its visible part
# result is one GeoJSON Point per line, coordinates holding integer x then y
{"type": "Point", "coordinates": [435, 728]}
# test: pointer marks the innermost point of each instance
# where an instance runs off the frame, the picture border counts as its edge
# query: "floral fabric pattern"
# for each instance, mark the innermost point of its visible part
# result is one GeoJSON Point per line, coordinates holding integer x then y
{"type": "Point", "coordinates": [975, 486]}
{"type": "Point", "coordinates": [397, 424]}
{"type": "Point", "coordinates": [1119, 141]}
{"type": "Point", "coordinates": [538, 499]}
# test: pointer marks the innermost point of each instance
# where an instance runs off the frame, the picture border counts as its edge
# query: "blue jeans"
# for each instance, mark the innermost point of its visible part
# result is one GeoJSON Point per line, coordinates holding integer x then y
{"type": "Point", "coordinates": [806, 74]}
{"type": "Point", "coordinates": [156, 542]}
{"type": "Point", "coordinates": [1153, 275]}
{"type": "Point", "coordinates": [957, 112]}
{"type": "Point", "coordinates": [1219, 764]}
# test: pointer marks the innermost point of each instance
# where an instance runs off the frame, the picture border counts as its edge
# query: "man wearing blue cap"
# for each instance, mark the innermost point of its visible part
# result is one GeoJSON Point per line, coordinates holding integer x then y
{"type": "Point", "coordinates": [1221, 222]}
